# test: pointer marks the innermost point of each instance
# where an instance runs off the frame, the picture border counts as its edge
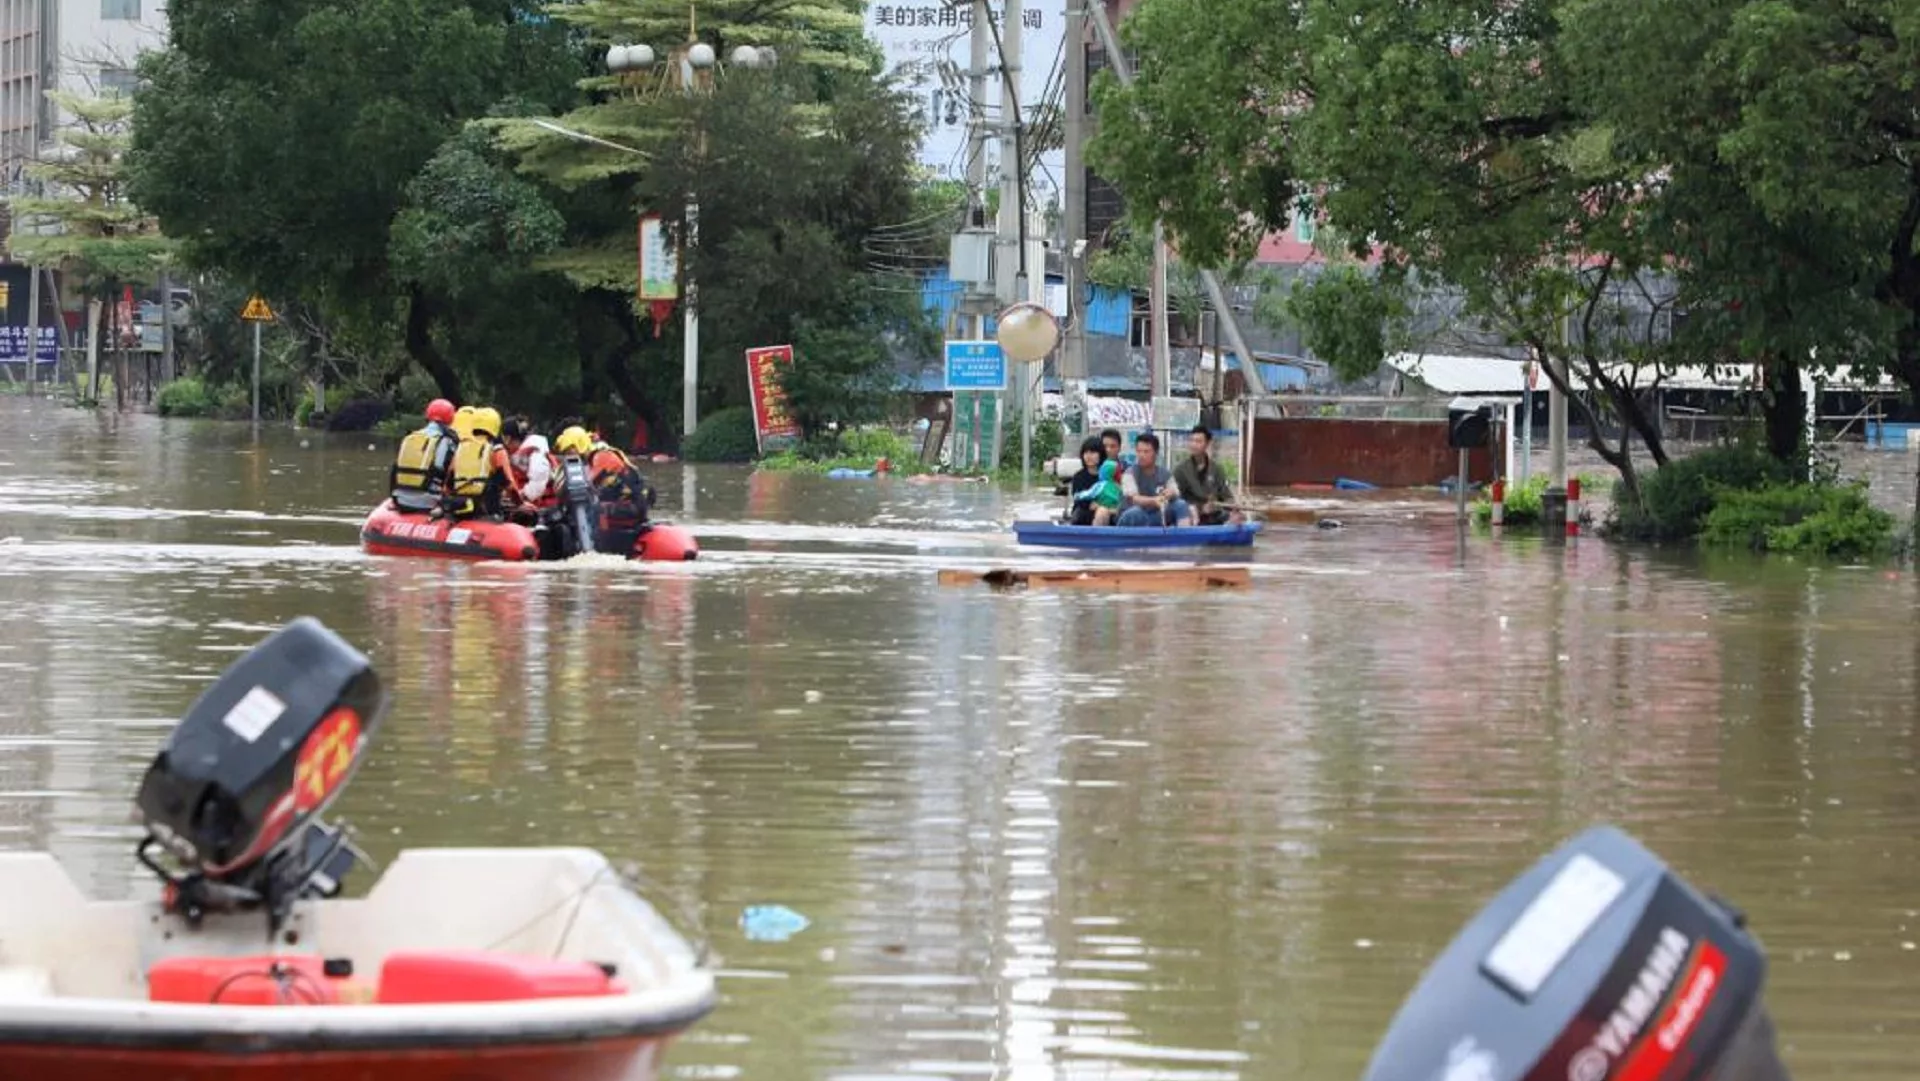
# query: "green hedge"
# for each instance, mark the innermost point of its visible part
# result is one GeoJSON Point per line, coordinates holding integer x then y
{"type": "Point", "coordinates": [726, 435]}
{"type": "Point", "coordinates": [189, 397]}
{"type": "Point", "coordinates": [1676, 499]}
{"type": "Point", "coordinates": [1834, 520]}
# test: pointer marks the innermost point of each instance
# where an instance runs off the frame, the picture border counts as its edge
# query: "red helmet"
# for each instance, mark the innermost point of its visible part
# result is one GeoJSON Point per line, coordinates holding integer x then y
{"type": "Point", "coordinates": [440, 411]}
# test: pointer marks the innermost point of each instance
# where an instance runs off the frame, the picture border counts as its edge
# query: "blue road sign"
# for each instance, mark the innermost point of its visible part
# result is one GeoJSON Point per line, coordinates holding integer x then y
{"type": "Point", "coordinates": [976, 366]}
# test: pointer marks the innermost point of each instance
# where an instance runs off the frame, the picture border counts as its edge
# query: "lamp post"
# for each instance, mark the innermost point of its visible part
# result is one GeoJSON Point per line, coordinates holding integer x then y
{"type": "Point", "coordinates": [690, 69]}
{"type": "Point", "coordinates": [1027, 332]}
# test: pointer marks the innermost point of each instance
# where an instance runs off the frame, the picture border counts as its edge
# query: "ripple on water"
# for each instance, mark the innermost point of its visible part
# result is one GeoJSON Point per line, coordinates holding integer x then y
{"type": "Point", "coordinates": [1037, 835]}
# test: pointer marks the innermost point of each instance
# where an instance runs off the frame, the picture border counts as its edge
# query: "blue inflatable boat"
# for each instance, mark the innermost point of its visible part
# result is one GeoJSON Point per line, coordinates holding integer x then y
{"type": "Point", "coordinates": [1055, 535]}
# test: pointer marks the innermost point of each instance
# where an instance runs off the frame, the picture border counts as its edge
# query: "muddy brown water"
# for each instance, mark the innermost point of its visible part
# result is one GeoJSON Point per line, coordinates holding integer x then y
{"type": "Point", "coordinates": [1037, 835]}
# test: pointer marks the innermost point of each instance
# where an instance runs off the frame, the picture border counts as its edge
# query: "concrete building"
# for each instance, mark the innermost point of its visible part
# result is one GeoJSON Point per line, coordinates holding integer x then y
{"type": "Point", "coordinates": [80, 46]}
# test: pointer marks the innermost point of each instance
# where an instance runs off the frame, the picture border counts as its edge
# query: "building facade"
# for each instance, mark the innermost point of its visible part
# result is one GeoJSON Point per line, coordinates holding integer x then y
{"type": "Point", "coordinates": [79, 46]}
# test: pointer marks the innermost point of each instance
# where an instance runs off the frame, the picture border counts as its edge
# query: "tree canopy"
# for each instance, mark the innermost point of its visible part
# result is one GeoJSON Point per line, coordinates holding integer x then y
{"type": "Point", "coordinates": [375, 168]}
{"type": "Point", "coordinates": [83, 221]}
{"type": "Point", "coordinates": [1578, 173]}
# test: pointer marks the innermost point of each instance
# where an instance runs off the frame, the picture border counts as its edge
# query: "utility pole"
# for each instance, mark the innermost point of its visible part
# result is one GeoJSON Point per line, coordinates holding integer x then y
{"type": "Point", "coordinates": [980, 46]}
{"type": "Point", "coordinates": [166, 330]}
{"type": "Point", "coordinates": [1073, 350]}
{"type": "Point", "coordinates": [33, 328]}
{"type": "Point", "coordinates": [1161, 380]}
{"type": "Point", "coordinates": [1229, 322]}
{"type": "Point", "coordinates": [1010, 268]}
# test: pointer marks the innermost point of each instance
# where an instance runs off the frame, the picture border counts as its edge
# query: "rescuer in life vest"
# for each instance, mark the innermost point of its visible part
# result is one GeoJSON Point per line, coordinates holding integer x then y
{"type": "Point", "coordinates": [625, 497]}
{"type": "Point", "coordinates": [418, 476]}
{"type": "Point", "coordinates": [479, 481]}
{"type": "Point", "coordinates": [623, 494]}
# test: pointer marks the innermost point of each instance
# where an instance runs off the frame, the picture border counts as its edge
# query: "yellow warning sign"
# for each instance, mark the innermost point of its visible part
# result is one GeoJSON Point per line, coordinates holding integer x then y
{"type": "Point", "coordinates": [257, 311]}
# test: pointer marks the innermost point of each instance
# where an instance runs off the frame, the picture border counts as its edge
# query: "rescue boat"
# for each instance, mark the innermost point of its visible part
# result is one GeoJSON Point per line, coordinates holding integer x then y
{"type": "Point", "coordinates": [390, 531]}
{"type": "Point", "coordinates": [482, 964]}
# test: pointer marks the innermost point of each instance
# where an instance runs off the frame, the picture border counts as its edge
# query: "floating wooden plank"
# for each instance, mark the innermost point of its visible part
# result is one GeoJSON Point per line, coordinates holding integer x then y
{"type": "Point", "coordinates": [1120, 579]}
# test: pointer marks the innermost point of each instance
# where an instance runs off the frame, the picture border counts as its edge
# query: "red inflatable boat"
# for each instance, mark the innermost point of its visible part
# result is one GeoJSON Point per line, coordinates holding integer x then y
{"type": "Point", "coordinates": [390, 531]}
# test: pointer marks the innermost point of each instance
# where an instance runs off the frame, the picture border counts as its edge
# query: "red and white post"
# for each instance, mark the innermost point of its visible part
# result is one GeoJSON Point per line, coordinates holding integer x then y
{"type": "Point", "coordinates": [1499, 502]}
{"type": "Point", "coordinates": [1573, 506]}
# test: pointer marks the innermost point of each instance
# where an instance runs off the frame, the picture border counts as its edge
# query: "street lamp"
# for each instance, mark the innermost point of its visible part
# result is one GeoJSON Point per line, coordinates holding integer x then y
{"type": "Point", "coordinates": [1026, 332]}
{"type": "Point", "coordinates": [690, 69]}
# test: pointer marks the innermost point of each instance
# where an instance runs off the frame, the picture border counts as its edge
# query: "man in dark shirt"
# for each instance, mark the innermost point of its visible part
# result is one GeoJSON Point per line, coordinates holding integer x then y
{"type": "Point", "coordinates": [1203, 487]}
{"type": "Point", "coordinates": [1152, 499]}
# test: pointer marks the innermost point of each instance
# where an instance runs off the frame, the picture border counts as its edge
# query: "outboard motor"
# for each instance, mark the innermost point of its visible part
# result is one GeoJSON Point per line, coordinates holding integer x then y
{"type": "Point", "coordinates": [1598, 964]}
{"type": "Point", "coordinates": [233, 799]}
{"type": "Point", "coordinates": [578, 506]}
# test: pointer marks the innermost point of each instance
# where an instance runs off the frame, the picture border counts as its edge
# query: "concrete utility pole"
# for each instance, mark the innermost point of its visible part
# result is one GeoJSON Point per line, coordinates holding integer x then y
{"type": "Point", "coordinates": [166, 332]}
{"type": "Point", "coordinates": [1557, 418]}
{"type": "Point", "coordinates": [33, 328]}
{"type": "Point", "coordinates": [1161, 381]}
{"type": "Point", "coordinates": [1073, 350]}
{"type": "Point", "coordinates": [1216, 294]}
{"type": "Point", "coordinates": [1010, 264]}
{"type": "Point", "coordinates": [980, 53]}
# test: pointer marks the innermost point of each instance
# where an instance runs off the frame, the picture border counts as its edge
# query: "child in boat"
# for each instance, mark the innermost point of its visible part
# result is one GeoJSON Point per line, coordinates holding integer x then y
{"type": "Point", "coordinates": [1103, 497]}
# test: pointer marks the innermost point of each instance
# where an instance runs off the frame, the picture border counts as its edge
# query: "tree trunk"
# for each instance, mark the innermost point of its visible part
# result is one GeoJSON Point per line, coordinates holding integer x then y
{"type": "Point", "coordinates": [1785, 408]}
{"type": "Point", "coordinates": [421, 348]}
{"type": "Point", "coordinates": [619, 374]}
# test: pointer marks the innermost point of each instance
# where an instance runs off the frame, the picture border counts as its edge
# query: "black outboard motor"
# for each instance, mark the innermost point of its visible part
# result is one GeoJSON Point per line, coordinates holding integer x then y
{"type": "Point", "coordinates": [1597, 964]}
{"type": "Point", "coordinates": [578, 509]}
{"type": "Point", "coordinates": [234, 797]}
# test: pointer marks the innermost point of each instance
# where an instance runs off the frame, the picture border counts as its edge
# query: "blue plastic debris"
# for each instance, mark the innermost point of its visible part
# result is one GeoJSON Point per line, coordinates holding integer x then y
{"type": "Point", "coordinates": [849, 474]}
{"type": "Point", "coordinates": [771, 923]}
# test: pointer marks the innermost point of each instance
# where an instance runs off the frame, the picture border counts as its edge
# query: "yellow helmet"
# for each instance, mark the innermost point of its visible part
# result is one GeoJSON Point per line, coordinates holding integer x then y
{"type": "Point", "coordinates": [463, 421]}
{"type": "Point", "coordinates": [486, 421]}
{"type": "Point", "coordinates": [573, 441]}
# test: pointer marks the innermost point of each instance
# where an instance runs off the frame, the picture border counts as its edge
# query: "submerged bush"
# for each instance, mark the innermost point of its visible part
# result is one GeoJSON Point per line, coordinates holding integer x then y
{"type": "Point", "coordinates": [1834, 520]}
{"type": "Point", "coordinates": [1524, 502]}
{"type": "Point", "coordinates": [1676, 499]}
{"type": "Point", "coordinates": [726, 435]}
{"type": "Point", "coordinates": [185, 397]}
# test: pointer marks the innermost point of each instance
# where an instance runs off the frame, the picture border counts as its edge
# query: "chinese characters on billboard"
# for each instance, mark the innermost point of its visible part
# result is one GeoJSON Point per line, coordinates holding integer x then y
{"type": "Point", "coordinates": [770, 420]}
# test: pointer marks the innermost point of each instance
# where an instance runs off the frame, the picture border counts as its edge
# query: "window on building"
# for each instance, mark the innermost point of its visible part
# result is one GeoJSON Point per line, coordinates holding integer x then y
{"type": "Point", "coordinates": [118, 81]}
{"type": "Point", "coordinates": [119, 9]}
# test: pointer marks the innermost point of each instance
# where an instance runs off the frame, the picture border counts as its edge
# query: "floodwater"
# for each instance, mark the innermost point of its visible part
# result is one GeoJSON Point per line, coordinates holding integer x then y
{"type": "Point", "coordinates": [1037, 835]}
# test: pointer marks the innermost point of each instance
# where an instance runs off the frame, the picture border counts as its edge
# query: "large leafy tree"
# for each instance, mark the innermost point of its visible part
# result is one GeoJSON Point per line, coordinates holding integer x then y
{"type": "Point", "coordinates": [1786, 136]}
{"type": "Point", "coordinates": [278, 140]}
{"type": "Point", "coordinates": [792, 168]}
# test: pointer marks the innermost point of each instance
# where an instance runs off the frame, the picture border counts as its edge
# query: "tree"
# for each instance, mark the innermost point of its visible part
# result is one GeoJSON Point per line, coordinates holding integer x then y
{"type": "Point", "coordinates": [793, 170]}
{"type": "Point", "coordinates": [1786, 136]}
{"type": "Point", "coordinates": [84, 224]}
{"type": "Point", "coordinates": [1442, 136]}
{"type": "Point", "coordinates": [1200, 138]}
{"type": "Point", "coordinates": [279, 139]}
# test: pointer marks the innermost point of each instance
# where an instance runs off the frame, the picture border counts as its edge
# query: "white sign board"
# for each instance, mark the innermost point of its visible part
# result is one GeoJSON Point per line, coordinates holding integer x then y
{"type": "Point", "coordinates": [920, 38]}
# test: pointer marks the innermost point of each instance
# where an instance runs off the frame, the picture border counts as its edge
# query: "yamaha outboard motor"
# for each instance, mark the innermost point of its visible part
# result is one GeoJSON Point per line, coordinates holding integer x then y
{"type": "Point", "coordinates": [1598, 964]}
{"type": "Point", "coordinates": [234, 797]}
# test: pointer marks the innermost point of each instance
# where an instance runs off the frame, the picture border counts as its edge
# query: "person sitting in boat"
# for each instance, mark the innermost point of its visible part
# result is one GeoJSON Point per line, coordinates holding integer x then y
{"type": "Point", "coordinates": [1102, 500]}
{"type": "Point", "coordinates": [1092, 455]}
{"type": "Point", "coordinates": [479, 480]}
{"type": "Point", "coordinates": [625, 496]}
{"type": "Point", "coordinates": [1203, 485]}
{"type": "Point", "coordinates": [1115, 446]}
{"type": "Point", "coordinates": [1152, 499]}
{"type": "Point", "coordinates": [531, 465]}
{"type": "Point", "coordinates": [418, 476]}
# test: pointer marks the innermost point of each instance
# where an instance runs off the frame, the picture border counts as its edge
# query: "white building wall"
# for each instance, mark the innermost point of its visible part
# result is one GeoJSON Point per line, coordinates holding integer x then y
{"type": "Point", "coordinates": [99, 42]}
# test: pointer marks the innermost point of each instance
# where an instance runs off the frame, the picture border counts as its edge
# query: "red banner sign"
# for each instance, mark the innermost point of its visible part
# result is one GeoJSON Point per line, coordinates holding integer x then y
{"type": "Point", "coordinates": [770, 418]}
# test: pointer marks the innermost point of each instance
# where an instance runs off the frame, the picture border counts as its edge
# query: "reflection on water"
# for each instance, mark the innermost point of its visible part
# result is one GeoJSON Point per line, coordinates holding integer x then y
{"type": "Point", "coordinates": [1038, 835]}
